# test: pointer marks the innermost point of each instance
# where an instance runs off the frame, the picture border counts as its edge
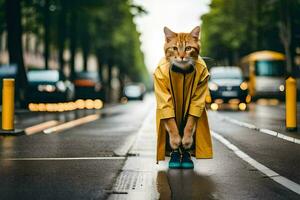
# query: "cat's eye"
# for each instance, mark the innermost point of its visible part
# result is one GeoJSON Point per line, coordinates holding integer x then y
{"type": "Point", "coordinates": [188, 48]}
{"type": "Point", "coordinates": [175, 48]}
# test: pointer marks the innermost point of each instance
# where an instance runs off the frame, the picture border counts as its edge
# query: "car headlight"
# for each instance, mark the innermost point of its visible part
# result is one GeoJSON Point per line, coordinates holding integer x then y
{"type": "Point", "coordinates": [244, 86]}
{"type": "Point", "coordinates": [212, 86]}
{"type": "Point", "coordinates": [61, 86]}
{"type": "Point", "coordinates": [46, 88]}
{"type": "Point", "coordinates": [281, 88]}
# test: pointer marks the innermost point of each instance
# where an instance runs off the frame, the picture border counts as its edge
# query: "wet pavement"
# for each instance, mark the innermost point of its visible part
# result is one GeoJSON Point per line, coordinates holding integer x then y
{"type": "Point", "coordinates": [113, 157]}
{"type": "Point", "coordinates": [224, 177]}
{"type": "Point", "coordinates": [78, 163]}
{"type": "Point", "coordinates": [265, 117]}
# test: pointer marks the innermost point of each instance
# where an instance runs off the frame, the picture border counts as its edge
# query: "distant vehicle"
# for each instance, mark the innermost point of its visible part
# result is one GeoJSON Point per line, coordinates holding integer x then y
{"type": "Point", "coordinates": [226, 85]}
{"type": "Point", "coordinates": [266, 73]}
{"type": "Point", "coordinates": [134, 91]}
{"type": "Point", "coordinates": [88, 86]}
{"type": "Point", "coordinates": [47, 86]}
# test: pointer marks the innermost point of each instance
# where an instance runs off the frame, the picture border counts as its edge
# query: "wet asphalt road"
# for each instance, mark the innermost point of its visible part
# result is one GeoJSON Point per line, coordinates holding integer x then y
{"type": "Point", "coordinates": [69, 179]}
{"type": "Point", "coordinates": [93, 163]}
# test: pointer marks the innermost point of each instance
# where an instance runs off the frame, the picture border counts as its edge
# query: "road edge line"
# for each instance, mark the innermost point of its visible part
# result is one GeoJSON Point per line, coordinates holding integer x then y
{"type": "Point", "coordinates": [295, 187]}
{"type": "Point", "coordinates": [261, 130]}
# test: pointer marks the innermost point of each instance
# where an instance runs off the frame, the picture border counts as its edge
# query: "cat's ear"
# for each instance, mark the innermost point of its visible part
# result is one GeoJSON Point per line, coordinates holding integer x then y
{"type": "Point", "coordinates": [169, 34]}
{"type": "Point", "coordinates": [195, 33]}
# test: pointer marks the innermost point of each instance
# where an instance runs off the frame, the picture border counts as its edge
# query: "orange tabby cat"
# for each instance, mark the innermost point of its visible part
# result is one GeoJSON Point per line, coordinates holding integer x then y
{"type": "Point", "coordinates": [181, 50]}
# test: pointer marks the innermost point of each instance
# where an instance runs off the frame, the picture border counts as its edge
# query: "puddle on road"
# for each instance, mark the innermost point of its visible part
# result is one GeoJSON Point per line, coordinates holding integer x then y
{"type": "Point", "coordinates": [185, 184]}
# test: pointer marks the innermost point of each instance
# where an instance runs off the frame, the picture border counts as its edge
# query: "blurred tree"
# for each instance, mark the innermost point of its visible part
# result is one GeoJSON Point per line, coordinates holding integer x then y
{"type": "Point", "coordinates": [46, 13]}
{"type": "Point", "coordinates": [62, 33]}
{"type": "Point", "coordinates": [235, 28]}
{"type": "Point", "coordinates": [14, 42]}
{"type": "Point", "coordinates": [100, 27]}
{"type": "Point", "coordinates": [2, 17]}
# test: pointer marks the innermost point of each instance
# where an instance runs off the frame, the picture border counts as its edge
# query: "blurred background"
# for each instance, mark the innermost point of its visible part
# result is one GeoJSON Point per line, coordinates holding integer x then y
{"type": "Point", "coordinates": [62, 46]}
{"type": "Point", "coordinates": [62, 50]}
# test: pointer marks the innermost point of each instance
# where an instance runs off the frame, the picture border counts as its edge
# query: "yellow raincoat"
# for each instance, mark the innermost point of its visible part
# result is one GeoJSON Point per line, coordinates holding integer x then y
{"type": "Point", "coordinates": [177, 95]}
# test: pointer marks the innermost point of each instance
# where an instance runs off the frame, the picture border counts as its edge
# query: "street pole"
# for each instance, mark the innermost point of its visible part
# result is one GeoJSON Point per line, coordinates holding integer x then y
{"type": "Point", "coordinates": [8, 108]}
{"type": "Point", "coordinates": [290, 83]}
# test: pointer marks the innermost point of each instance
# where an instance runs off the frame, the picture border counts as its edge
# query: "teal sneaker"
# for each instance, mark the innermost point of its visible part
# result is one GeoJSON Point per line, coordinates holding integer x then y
{"type": "Point", "coordinates": [175, 159]}
{"type": "Point", "coordinates": [186, 161]}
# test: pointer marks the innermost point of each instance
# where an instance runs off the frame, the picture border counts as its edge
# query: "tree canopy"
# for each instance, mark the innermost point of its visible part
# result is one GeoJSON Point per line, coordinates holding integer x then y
{"type": "Point", "coordinates": [100, 27]}
{"type": "Point", "coordinates": [235, 28]}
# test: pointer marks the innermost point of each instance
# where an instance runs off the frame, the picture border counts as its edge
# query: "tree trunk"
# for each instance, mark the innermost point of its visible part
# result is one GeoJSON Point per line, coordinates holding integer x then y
{"type": "Point", "coordinates": [100, 74]}
{"type": "Point", "coordinates": [295, 38]}
{"type": "Point", "coordinates": [122, 82]}
{"type": "Point", "coordinates": [236, 57]}
{"type": "Point", "coordinates": [14, 40]}
{"type": "Point", "coordinates": [85, 59]}
{"type": "Point", "coordinates": [73, 44]}
{"type": "Point", "coordinates": [100, 68]}
{"type": "Point", "coordinates": [109, 88]}
{"type": "Point", "coordinates": [62, 35]}
{"type": "Point", "coordinates": [46, 33]}
{"type": "Point", "coordinates": [85, 44]}
{"type": "Point", "coordinates": [285, 33]}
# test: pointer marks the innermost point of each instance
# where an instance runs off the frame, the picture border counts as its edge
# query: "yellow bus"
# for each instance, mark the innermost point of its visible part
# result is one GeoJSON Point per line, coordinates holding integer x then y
{"type": "Point", "coordinates": [265, 72]}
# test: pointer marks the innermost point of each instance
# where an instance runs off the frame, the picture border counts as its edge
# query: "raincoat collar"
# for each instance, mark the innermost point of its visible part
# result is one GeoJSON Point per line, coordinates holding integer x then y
{"type": "Point", "coordinates": [177, 69]}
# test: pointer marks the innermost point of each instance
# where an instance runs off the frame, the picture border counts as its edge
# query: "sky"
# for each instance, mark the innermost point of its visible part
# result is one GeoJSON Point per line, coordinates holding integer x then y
{"type": "Point", "coordinates": [178, 15]}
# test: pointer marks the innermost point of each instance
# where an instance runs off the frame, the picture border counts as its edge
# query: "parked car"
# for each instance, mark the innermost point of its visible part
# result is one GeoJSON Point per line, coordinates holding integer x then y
{"type": "Point", "coordinates": [227, 85]}
{"type": "Point", "coordinates": [88, 86]}
{"type": "Point", "coordinates": [48, 86]}
{"type": "Point", "coordinates": [134, 91]}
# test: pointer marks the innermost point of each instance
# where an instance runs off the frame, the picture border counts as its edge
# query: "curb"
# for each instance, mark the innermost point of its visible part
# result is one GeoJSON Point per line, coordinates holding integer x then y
{"type": "Point", "coordinates": [15, 132]}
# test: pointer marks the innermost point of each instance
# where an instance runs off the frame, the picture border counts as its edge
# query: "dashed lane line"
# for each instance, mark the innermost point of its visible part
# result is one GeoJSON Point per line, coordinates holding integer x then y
{"type": "Point", "coordinates": [72, 124]}
{"type": "Point", "coordinates": [295, 187]}
{"type": "Point", "coordinates": [261, 130]}
{"type": "Point", "coordinates": [40, 127]}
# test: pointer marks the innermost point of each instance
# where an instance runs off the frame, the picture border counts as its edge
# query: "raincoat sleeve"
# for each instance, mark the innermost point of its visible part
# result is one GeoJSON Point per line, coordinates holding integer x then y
{"type": "Point", "coordinates": [198, 99]}
{"type": "Point", "coordinates": [165, 108]}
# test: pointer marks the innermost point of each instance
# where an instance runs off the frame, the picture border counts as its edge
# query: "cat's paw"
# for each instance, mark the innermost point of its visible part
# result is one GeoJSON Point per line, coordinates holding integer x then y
{"type": "Point", "coordinates": [187, 141]}
{"type": "Point", "coordinates": [175, 141]}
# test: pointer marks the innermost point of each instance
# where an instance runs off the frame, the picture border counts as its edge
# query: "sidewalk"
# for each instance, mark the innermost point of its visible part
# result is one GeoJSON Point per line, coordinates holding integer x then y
{"type": "Point", "coordinates": [137, 178]}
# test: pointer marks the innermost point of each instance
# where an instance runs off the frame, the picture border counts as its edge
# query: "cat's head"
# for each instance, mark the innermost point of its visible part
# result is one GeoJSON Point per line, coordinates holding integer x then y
{"type": "Point", "coordinates": [182, 49]}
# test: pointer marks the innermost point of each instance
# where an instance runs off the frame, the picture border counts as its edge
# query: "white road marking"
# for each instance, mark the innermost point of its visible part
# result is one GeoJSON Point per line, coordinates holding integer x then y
{"type": "Point", "coordinates": [71, 158]}
{"type": "Point", "coordinates": [295, 187]}
{"type": "Point", "coordinates": [269, 132]}
{"type": "Point", "coordinates": [40, 127]}
{"type": "Point", "coordinates": [262, 130]}
{"type": "Point", "coordinates": [72, 124]}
